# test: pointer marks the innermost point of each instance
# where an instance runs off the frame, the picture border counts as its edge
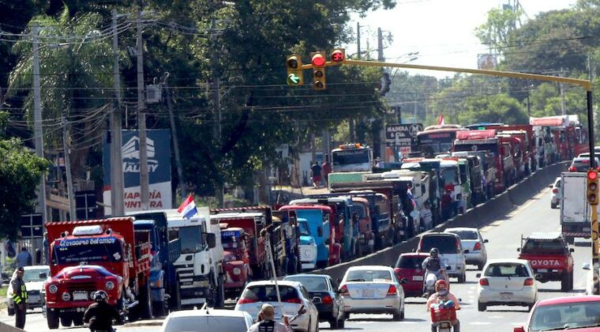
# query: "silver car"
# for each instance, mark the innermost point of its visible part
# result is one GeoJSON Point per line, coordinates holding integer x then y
{"type": "Point", "coordinates": [208, 319]}
{"type": "Point", "coordinates": [471, 240]}
{"type": "Point", "coordinates": [372, 290]}
{"type": "Point", "coordinates": [556, 193]}
{"type": "Point", "coordinates": [34, 278]}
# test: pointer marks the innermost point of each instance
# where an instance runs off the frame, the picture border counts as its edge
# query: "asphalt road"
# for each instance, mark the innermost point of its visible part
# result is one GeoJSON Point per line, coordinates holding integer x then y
{"type": "Point", "coordinates": [504, 238]}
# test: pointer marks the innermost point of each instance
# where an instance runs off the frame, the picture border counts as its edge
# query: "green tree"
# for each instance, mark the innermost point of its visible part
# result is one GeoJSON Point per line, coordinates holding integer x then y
{"type": "Point", "coordinates": [496, 108]}
{"type": "Point", "coordinates": [495, 32]}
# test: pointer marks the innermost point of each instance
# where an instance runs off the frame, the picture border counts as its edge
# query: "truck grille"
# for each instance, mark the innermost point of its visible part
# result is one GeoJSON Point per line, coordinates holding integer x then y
{"type": "Point", "coordinates": [82, 286]}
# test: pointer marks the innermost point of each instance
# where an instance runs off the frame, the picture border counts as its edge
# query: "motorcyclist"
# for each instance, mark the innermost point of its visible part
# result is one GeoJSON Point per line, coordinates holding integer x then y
{"type": "Point", "coordinates": [433, 264]}
{"type": "Point", "coordinates": [100, 315]}
{"type": "Point", "coordinates": [443, 294]}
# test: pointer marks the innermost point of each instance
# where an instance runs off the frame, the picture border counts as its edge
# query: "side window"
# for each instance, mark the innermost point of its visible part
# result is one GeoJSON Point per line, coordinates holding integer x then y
{"type": "Point", "coordinates": [305, 293]}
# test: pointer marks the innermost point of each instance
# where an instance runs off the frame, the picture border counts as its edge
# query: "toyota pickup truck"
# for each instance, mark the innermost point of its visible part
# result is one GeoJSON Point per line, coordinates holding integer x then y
{"type": "Point", "coordinates": [550, 258]}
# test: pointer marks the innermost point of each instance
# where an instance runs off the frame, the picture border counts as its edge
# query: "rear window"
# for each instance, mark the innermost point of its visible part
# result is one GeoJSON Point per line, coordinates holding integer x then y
{"type": "Point", "coordinates": [206, 323]}
{"type": "Point", "coordinates": [557, 184]}
{"type": "Point", "coordinates": [550, 247]}
{"type": "Point", "coordinates": [466, 235]}
{"type": "Point", "coordinates": [506, 270]}
{"type": "Point", "coordinates": [268, 293]}
{"type": "Point", "coordinates": [312, 284]}
{"type": "Point", "coordinates": [369, 276]}
{"type": "Point", "coordinates": [408, 262]}
{"type": "Point", "coordinates": [445, 244]}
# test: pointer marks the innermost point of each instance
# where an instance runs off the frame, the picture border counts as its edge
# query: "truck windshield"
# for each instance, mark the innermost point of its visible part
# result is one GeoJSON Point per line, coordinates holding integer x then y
{"type": "Point", "coordinates": [436, 143]}
{"type": "Point", "coordinates": [360, 210]}
{"type": "Point", "coordinates": [87, 249]}
{"type": "Point", "coordinates": [304, 230]}
{"type": "Point", "coordinates": [350, 157]}
{"type": "Point", "coordinates": [191, 239]}
{"type": "Point", "coordinates": [449, 174]}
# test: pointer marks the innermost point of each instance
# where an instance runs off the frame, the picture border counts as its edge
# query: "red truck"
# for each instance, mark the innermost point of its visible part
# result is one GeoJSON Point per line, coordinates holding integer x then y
{"type": "Point", "coordinates": [91, 255]}
{"type": "Point", "coordinates": [501, 149]}
{"type": "Point", "coordinates": [550, 258]}
{"type": "Point", "coordinates": [570, 136]}
{"type": "Point", "coordinates": [236, 260]}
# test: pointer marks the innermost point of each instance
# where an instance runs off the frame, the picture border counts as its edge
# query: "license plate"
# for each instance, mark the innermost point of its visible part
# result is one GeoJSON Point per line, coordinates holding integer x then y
{"type": "Point", "coordinates": [506, 296]}
{"type": "Point", "coordinates": [417, 278]}
{"type": "Point", "coordinates": [542, 270]}
{"type": "Point", "coordinates": [368, 293]}
{"type": "Point", "coordinates": [80, 296]}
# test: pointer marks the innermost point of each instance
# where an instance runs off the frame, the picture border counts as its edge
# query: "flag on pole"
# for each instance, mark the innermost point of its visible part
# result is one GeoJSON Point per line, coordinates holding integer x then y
{"type": "Point", "coordinates": [188, 208]}
{"type": "Point", "coordinates": [441, 120]}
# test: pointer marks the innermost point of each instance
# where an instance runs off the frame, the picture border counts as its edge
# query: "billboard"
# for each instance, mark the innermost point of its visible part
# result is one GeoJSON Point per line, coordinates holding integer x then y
{"type": "Point", "coordinates": [159, 170]}
{"type": "Point", "coordinates": [486, 61]}
{"type": "Point", "coordinates": [402, 135]}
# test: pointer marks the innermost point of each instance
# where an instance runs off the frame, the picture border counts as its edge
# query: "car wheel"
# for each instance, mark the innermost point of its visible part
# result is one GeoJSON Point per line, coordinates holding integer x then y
{"type": "Point", "coordinates": [342, 324]}
{"type": "Point", "coordinates": [553, 205]}
{"type": "Point", "coordinates": [462, 278]}
{"type": "Point", "coordinates": [481, 306]}
{"type": "Point", "coordinates": [397, 317]}
{"type": "Point", "coordinates": [564, 283]}
{"type": "Point", "coordinates": [402, 314]}
{"type": "Point", "coordinates": [334, 324]}
{"type": "Point", "coordinates": [346, 316]}
{"type": "Point", "coordinates": [571, 281]}
{"type": "Point", "coordinates": [480, 266]}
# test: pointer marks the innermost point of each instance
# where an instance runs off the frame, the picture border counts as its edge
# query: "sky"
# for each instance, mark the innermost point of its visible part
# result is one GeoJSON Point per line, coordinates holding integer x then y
{"type": "Point", "coordinates": [442, 31]}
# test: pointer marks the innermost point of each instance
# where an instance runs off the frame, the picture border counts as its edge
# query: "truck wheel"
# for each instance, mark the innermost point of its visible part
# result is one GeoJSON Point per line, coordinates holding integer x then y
{"type": "Point", "coordinates": [565, 282]}
{"type": "Point", "coordinates": [221, 293]}
{"type": "Point", "coordinates": [292, 264]}
{"type": "Point", "coordinates": [66, 321]}
{"type": "Point", "coordinates": [78, 320]}
{"type": "Point", "coordinates": [571, 279]}
{"type": "Point", "coordinates": [52, 319]}
{"type": "Point", "coordinates": [175, 299]}
{"type": "Point", "coordinates": [145, 304]}
{"type": "Point", "coordinates": [159, 309]}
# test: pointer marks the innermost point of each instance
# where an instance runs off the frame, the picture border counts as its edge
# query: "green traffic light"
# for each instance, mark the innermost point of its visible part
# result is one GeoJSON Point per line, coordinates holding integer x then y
{"type": "Point", "coordinates": [293, 79]}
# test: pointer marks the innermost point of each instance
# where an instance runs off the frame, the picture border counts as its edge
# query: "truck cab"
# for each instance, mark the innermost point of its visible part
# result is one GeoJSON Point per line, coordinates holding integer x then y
{"type": "Point", "coordinates": [289, 222]}
{"type": "Point", "coordinates": [349, 161]}
{"type": "Point", "coordinates": [308, 246]}
{"type": "Point", "coordinates": [236, 260]}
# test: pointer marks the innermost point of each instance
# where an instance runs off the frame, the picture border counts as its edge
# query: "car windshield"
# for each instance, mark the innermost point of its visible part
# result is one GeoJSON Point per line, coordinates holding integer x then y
{"type": "Point", "coordinates": [312, 284]}
{"type": "Point", "coordinates": [450, 176]}
{"type": "Point", "coordinates": [191, 239]}
{"type": "Point", "coordinates": [554, 247]}
{"type": "Point", "coordinates": [87, 249]}
{"type": "Point", "coordinates": [410, 262]}
{"type": "Point", "coordinates": [304, 229]}
{"type": "Point", "coordinates": [34, 274]}
{"type": "Point", "coordinates": [506, 270]}
{"type": "Point", "coordinates": [445, 244]}
{"type": "Point", "coordinates": [206, 323]}
{"type": "Point", "coordinates": [359, 209]}
{"type": "Point", "coordinates": [465, 235]}
{"type": "Point", "coordinates": [368, 276]}
{"type": "Point", "coordinates": [565, 316]}
{"type": "Point", "coordinates": [268, 293]}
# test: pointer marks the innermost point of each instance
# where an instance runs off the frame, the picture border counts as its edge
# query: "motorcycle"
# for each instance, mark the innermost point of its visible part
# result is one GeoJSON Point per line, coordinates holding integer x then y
{"type": "Point", "coordinates": [430, 280]}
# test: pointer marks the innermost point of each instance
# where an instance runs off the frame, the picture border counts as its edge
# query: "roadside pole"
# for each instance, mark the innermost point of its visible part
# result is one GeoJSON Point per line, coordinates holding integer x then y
{"type": "Point", "coordinates": [272, 264]}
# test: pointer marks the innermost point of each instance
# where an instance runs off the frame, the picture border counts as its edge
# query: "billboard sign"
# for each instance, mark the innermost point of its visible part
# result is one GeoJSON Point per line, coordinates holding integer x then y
{"type": "Point", "coordinates": [486, 61]}
{"type": "Point", "coordinates": [402, 134]}
{"type": "Point", "coordinates": [159, 170]}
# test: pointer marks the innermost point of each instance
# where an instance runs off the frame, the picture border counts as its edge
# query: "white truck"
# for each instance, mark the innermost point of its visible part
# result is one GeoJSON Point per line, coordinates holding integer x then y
{"type": "Point", "coordinates": [200, 266]}
{"type": "Point", "coordinates": [574, 208]}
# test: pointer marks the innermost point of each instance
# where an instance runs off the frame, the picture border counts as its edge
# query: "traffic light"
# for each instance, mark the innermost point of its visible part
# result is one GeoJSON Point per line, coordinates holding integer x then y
{"type": "Point", "coordinates": [318, 63]}
{"type": "Point", "coordinates": [338, 55]}
{"type": "Point", "coordinates": [294, 70]}
{"type": "Point", "coordinates": [592, 187]}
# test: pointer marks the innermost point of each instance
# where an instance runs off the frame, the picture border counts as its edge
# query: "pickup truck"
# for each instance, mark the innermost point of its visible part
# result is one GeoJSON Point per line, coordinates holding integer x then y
{"type": "Point", "coordinates": [550, 258]}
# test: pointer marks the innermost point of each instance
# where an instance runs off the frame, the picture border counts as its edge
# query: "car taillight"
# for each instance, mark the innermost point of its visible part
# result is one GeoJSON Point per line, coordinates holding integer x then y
{"type": "Point", "coordinates": [477, 246]}
{"type": "Point", "coordinates": [392, 291]}
{"type": "Point", "coordinates": [555, 191]}
{"type": "Point", "coordinates": [528, 282]}
{"type": "Point", "coordinates": [484, 282]}
{"type": "Point", "coordinates": [458, 244]}
{"type": "Point", "coordinates": [246, 301]}
{"type": "Point", "coordinates": [327, 300]}
{"type": "Point", "coordinates": [572, 169]}
{"type": "Point", "coordinates": [344, 291]}
{"type": "Point", "coordinates": [296, 300]}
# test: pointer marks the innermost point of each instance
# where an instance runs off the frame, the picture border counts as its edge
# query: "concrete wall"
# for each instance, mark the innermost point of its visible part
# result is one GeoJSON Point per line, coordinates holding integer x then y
{"type": "Point", "coordinates": [478, 217]}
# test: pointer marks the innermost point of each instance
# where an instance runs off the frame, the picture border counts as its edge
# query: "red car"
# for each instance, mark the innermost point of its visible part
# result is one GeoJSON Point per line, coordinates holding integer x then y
{"type": "Point", "coordinates": [575, 313]}
{"type": "Point", "coordinates": [409, 267]}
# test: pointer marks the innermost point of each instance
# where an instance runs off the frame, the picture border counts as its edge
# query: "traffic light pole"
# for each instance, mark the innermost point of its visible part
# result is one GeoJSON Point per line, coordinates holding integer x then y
{"type": "Point", "coordinates": [595, 231]}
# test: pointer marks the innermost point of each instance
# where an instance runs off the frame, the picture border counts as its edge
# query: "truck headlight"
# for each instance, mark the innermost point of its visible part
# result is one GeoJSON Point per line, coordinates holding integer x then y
{"type": "Point", "coordinates": [237, 271]}
{"type": "Point", "coordinates": [53, 289]}
{"type": "Point", "coordinates": [66, 296]}
{"type": "Point", "coordinates": [110, 285]}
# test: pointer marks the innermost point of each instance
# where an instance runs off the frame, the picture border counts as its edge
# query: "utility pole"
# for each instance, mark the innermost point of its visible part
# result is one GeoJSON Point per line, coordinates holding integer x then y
{"type": "Point", "coordinates": [37, 116]}
{"type": "Point", "coordinates": [563, 108]}
{"type": "Point", "coordinates": [144, 183]}
{"type": "Point", "coordinates": [217, 105]}
{"type": "Point", "coordinates": [358, 54]}
{"type": "Point", "coordinates": [380, 58]}
{"type": "Point", "coordinates": [175, 139]}
{"type": "Point", "coordinates": [70, 194]}
{"type": "Point", "coordinates": [116, 165]}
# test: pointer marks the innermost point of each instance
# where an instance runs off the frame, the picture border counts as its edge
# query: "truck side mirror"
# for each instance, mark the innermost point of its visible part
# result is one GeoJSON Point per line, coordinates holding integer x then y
{"type": "Point", "coordinates": [211, 240]}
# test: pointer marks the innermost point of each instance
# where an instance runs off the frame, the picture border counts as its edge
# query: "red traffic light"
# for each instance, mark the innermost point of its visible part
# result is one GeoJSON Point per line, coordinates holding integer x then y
{"type": "Point", "coordinates": [318, 60]}
{"type": "Point", "coordinates": [592, 175]}
{"type": "Point", "coordinates": [338, 56]}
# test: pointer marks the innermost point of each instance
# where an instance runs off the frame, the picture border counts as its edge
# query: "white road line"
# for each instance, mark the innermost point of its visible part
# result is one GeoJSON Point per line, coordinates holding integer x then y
{"type": "Point", "coordinates": [480, 323]}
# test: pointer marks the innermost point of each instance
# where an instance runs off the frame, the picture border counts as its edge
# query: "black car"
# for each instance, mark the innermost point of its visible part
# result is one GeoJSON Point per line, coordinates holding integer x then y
{"type": "Point", "coordinates": [324, 294]}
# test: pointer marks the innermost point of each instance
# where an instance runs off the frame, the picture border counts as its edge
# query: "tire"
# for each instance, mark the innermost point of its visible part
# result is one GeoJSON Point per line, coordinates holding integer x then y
{"type": "Point", "coordinates": [346, 316]}
{"type": "Point", "coordinates": [342, 324]}
{"type": "Point", "coordinates": [397, 317]}
{"type": "Point", "coordinates": [553, 206]}
{"type": "Point", "coordinates": [565, 282]}
{"type": "Point", "coordinates": [480, 266]}
{"type": "Point", "coordinates": [334, 324]}
{"type": "Point", "coordinates": [52, 319]}
{"type": "Point", "coordinates": [462, 278]}
{"type": "Point", "coordinates": [571, 280]}
{"type": "Point", "coordinates": [145, 304]}
{"type": "Point", "coordinates": [66, 321]}
{"type": "Point", "coordinates": [175, 300]}
{"type": "Point", "coordinates": [481, 306]}
{"type": "Point", "coordinates": [402, 314]}
{"type": "Point", "coordinates": [78, 320]}
{"type": "Point", "coordinates": [159, 309]}
{"type": "Point", "coordinates": [11, 311]}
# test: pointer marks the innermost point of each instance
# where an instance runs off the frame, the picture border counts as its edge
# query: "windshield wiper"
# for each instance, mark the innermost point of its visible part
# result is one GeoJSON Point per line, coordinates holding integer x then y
{"type": "Point", "coordinates": [566, 327]}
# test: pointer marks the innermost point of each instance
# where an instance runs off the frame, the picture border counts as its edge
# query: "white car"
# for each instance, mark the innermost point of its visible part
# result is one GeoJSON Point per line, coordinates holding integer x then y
{"type": "Point", "coordinates": [293, 297]}
{"type": "Point", "coordinates": [34, 278]}
{"type": "Point", "coordinates": [372, 290]}
{"type": "Point", "coordinates": [208, 319]}
{"type": "Point", "coordinates": [556, 193]}
{"type": "Point", "coordinates": [506, 282]}
{"type": "Point", "coordinates": [471, 240]}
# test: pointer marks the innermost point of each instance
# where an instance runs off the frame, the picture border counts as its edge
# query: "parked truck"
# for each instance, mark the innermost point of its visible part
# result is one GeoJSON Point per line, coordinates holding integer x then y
{"type": "Point", "coordinates": [349, 162]}
{"type": "Point", "coordinates": [236, 262]}
{"type": "Point", "coordinates": [91, 255]}
{"type": "Point", "coordinates": [289, 222]}
{"type": "Point", "coordinates": [574, 208]}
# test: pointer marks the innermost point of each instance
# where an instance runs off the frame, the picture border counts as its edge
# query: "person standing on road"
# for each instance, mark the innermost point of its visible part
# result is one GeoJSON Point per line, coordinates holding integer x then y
{"type": "Point", "coordinates": [100, 315]}
{"type": "Point", "coordinates": [316, 174]}
{"type": "Point", "coordinates": [326, 169]}
{"type": "Point", "coordinates": [267, 323]}
{"type": "Point", "coordinates": [19, 297]}
{"type": "Point", "coordinates": [24, 258]}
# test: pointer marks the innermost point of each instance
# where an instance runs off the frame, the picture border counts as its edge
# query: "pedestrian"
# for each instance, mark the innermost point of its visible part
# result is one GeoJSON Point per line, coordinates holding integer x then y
{"type": "Point", "coordinates": [24, 258]}
{"type": "Point", "coordinates": [447, 205]}
{"type": "Point", "coordinates": [316, 174]}
{"type": "Point", "coordinates": [461, 205]}
{"type": "Point", "coordinates": [267, 323]}
{"type": "Point", "coordinates": [19, 297]}
{"type": "Point", "coordinates": [325, 170]}
{"type": "Point", "coordinates": [46, 249]}
{"type": "Point", "coordinates": [427, 216]}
